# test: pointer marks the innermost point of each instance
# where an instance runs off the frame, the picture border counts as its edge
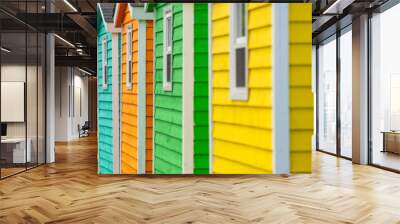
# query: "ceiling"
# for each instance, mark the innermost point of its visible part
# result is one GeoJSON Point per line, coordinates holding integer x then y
{"type": "Point", "coordinates": [332, 15]}
{"type": "Point", "coordinates": [74, 22]}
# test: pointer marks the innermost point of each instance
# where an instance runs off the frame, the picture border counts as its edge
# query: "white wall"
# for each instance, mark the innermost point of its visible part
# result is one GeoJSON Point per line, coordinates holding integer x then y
{"type": "Point", "coordinates": [70, 83]}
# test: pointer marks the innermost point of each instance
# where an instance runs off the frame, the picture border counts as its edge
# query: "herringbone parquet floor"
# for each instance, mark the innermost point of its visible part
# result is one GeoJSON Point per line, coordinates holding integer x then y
{"type": "Point", "coordinates": [70, 191]}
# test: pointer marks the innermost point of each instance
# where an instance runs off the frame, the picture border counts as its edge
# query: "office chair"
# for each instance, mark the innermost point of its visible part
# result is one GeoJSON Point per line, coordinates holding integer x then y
{"type": "Point", "coordinates": [84, 130]}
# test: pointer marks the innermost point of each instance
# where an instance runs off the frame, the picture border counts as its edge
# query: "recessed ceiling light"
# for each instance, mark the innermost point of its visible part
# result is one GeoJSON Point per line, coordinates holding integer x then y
{"type": "Point", "coordinates": [84, 71]}
{"type": "Point", "coordinates": [64, 40]}
{"type": "Point", "coordinates": [70, 5]}
{"type": "Point", "coordinates": [5, 50]}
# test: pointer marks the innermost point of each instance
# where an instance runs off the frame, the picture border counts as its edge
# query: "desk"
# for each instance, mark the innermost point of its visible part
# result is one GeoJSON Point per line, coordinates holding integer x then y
{"type": "Point", "coordinates": [16, 147]}
{"type": "Point", "coordinates": [391, 141]}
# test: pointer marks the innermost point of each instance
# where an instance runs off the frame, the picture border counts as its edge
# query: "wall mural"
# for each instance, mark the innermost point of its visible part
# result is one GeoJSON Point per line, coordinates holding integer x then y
{"type": "Point", "coordinates": [202, 88]}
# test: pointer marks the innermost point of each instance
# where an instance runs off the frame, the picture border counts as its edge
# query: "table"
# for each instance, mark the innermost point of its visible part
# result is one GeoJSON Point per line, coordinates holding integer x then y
{"type": "Point", "coordinates": [391, 141]}
{"type": "Point", "coordinates": [16, 147]}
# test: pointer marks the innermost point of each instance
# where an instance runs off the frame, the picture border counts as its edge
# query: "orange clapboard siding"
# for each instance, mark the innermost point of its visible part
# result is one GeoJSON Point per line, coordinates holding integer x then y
{"type": "Point", "coordinates": [129, 99]}
{"type": "Point", "coordinates": [149, 96]}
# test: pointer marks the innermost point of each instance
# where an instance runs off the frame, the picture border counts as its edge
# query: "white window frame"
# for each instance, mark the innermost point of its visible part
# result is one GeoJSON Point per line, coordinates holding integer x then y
{"type": "Point", "coordinates": [237, 93]}
{"type": "Point", "coordinates": [167, 85]}
{"type": "Point", "coordinates": [104, 62]}
{"type": "Point", "coordinates": [129, 57]}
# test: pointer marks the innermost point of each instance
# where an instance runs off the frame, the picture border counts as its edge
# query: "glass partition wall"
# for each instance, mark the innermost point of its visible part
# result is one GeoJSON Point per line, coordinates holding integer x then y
{"type": "Point", "coordinates": [22, 77]}
{"type": "Point", "coordinates": [385, 90]}
{"type": "Point", "coordinates": [334, 80]}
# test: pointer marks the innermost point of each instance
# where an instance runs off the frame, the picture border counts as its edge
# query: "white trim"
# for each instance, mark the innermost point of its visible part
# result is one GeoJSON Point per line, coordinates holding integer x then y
{"type": "Point", "coordinates": [210, 87]}
{"type": "Point", "coordinates": [129, 39]}
{"type": "Point", "coordinates": [237, 93]}
{"type": "Point", "coordinates": [111, 28]}
{"type": "Point", "coordinates": [167, 86]}
{"type": "Point", "coordinates": [154, 90]}
{"type": "Point", "coordinates": [120, 101]}
{"type": "Point", "coordinates": [139, 13]}
{"type": "Point", "coordinates": [188, 87]}
{"type": "Point", "coordinates": [280, 89]}
{"type": "Point", "coordinates": [115, 103]}
{"type": "Point", "coordinates": [104, 58]}
{"type": "Point", "coordinates": [141, 107]}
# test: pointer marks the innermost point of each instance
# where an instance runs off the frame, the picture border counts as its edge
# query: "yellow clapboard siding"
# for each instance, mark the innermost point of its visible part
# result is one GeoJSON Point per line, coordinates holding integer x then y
{"type": "Point", "coordinates": [221, 164]}
{"type": "Point", "coordinates": [300, 140]}
{"type": "Point", "coordinates": [260, 57]}
{"type": "Point", "coordinates": [303, 32]}
{"type": "Point", "coordinates": [297, 77]}
{"type": "Point", "coordinates": [219, 26]}
{"type": "Point", "coordinates": [300, 54]}
{"type": "Point", "coordinates": [257, 137]}
{"type": "Point", "coordinates": [256, 38]}
{"type": "Point", "coordinates": [220, 11]}
{"type": "Point", "coordinates": [258, 78]}
{"type": "Point", "coordinates": [242, 154]}
{"type": "Point", "coordinates": [257, 98]}
{"type": "Point", "coordinates": [301, 119]}
{"type": "Point", "coordinates": [242, 129]}
{"type": "Point", "coordinates": [301, 98]}
{"type": "Point", "coordinates": [300, 162]}
{"type": "Point", "coordinates": [250, 116]}
{"type": "Point", "coordinates": [299, 12]}
{"type": "Point", "coordinates": [259, 16]}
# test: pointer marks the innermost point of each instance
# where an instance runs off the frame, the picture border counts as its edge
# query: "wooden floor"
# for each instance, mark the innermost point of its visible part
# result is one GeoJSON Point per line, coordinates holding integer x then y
{"type": "Point", "coordinates": [70, 191]}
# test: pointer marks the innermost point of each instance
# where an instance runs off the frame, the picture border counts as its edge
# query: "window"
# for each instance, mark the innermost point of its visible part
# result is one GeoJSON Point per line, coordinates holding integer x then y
{"type": "Point", "coordinates": [129, 58]}
{"type": "Point", "coordinates": [104, 64]}
{"type": "Point", "coordinates": [327, 95]}
{"type": "Point", "coordinates": [385, 89]}
{"type": "Point", "coordinates": [238, 53]}
{"type": "Point", "coordinates": [167, 76]}
{"type": "Point", "coordinates": [345, 94]}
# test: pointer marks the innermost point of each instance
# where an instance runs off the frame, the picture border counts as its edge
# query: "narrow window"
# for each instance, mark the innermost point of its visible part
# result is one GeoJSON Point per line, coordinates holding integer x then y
{"type": "Point", "coordinates": [104, 60]}
{"type": "Point", "coordinates": [129, 58]}
{"type": "Point", "coordinates": [238, 52]}
{"type": "Point", "coordinates": [167, 77]}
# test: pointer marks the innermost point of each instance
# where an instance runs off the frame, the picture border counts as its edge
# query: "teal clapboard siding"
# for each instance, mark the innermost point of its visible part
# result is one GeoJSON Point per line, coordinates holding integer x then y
{"type": "Point", "coordinates": [104, 102]}
{"type": "Point", "coordinates": [168, 104]}
{"type": "Point", "coordinates": [201, 144]}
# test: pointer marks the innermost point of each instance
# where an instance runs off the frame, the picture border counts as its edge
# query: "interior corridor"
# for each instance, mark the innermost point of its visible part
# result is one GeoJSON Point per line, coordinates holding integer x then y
{"type": "Point", "coordinates": [70, 191]}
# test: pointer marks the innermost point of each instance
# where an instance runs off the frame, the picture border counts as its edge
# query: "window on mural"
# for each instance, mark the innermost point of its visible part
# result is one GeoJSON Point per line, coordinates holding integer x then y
{"type": "Point", "coordinates": [238, 53]}
{"type": "Point", "coordinates": [104, 61]}
{"type": "Point", "coordinates": [129, 58]}
{"type": "Point", "coordinates": [167, 79]}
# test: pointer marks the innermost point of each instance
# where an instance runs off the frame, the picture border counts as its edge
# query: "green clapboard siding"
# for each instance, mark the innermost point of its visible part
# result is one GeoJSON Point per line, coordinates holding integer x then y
{"type": "Point", "coordinates": [168, 105]}
{"type": "Point", "coordinates": [201, 146]}
{"type": "Point", "coordinates": [105, 139]}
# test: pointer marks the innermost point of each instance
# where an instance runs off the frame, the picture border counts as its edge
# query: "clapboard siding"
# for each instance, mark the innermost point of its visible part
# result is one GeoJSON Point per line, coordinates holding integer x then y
{"type": "Point", "coordinates": [149, 96]}
{"type": "Point", "coordinates": [129, 100]}
{"type": "Point", "coordinates": [301, 98]}
{"type": "Point", "coordinates": [105, 127]}
{"type": "Point", "coordinates": [201, 146]}
{"type": "Point", "coordinates": [242, 132]}
{"type": "Point", "coordinates": [168, 104]}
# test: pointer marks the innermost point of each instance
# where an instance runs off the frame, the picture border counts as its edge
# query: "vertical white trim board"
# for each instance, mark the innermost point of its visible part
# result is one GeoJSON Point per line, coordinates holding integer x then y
{"type": "Point", "coordinates": [115, 103]}
{"type": "Point", "coordinates": [210, 86]}
{"type": "Point", "coordinates": [141, 107]}
{"type": "Point", "coordinates": [187, 90]}
{"type": "Point", "coordinates": [120, 100]}
{"type": "Point", "coordinates": [154, 89]}
{"type": "Point", "coordinates": [280, 88]}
